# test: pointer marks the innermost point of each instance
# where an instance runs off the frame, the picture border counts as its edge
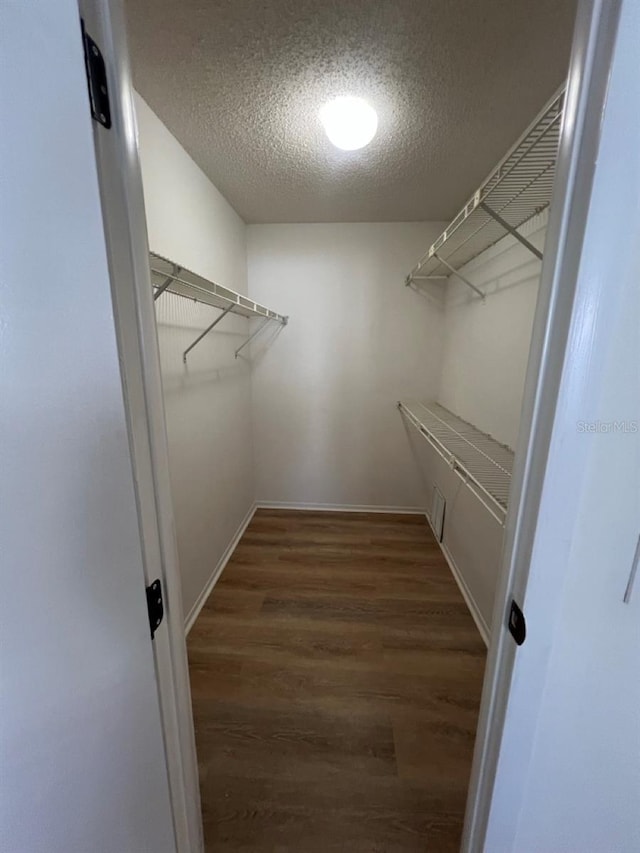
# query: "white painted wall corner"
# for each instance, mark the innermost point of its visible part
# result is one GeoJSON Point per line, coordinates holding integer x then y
{"type": "Point", "coordinates": [217, 572]}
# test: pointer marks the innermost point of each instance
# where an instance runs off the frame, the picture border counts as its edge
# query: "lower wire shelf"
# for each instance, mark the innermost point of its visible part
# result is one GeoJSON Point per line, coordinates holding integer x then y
{"type": "Point", "coordinates": [479, 460]}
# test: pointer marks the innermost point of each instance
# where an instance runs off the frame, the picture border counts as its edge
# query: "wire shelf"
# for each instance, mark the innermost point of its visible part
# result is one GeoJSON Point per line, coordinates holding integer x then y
{"type": "Point", "coordinates": [480, 460]}
{"type": "Point", "coordinates": [167, 276]}
{"type": "Point", "coordinates": [517, 189]}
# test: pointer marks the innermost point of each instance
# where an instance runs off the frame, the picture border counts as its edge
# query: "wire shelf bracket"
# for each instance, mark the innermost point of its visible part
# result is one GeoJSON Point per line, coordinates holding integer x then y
{"type": "Point", "coordinates": [514, 233]}
{"type": "Point", "coordinates": [251, 337]}
{"type": "Point", "coordinates": [206, 332]}
{"type": "Point", "coordinates": [167, 276]}
{"type": "Point", "coordinates": [517, 189]}
{"type": "Point", "coordinates": [459, 275]}
{"type": "Point", "coordinates": [165, 284]}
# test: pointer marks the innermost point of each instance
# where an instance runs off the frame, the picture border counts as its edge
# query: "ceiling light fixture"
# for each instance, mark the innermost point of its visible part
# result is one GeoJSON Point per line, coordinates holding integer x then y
{"type": "Point", "coordinates": [350, 123]}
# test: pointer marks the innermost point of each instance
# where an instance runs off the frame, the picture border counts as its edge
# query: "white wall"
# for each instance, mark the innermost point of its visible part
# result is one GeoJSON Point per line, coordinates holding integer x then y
{"type": "Point", "coordinates": [486, 344]}
{"type": "Point", "coordinates": [326, 428]}
{"type": "Point", "coordinates": [208, 401]}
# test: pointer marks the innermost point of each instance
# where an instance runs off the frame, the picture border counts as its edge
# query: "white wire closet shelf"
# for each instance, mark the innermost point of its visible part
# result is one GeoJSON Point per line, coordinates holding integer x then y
{"type": "Point", "coordinates": [518, 188]}
{"type": "Point", "coordinates": [482, 463]}
{"type": "Point", "coordinates": [170, 277]}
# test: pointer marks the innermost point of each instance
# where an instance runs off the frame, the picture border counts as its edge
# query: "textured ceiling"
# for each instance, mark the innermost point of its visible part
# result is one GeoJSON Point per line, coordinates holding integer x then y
{"type": "Point", "coordinates": [240, 83]}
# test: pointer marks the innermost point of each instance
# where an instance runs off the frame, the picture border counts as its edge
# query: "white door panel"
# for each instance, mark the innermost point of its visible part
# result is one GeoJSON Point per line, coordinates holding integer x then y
{"type": "Point", "coordinates": [82, 755]}
{"type": "Point", "coordinates": [568, 777]}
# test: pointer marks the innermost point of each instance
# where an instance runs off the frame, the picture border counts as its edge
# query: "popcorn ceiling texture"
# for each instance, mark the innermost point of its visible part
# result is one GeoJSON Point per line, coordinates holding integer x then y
{"type": "Point", "coordinates": [239, 83]}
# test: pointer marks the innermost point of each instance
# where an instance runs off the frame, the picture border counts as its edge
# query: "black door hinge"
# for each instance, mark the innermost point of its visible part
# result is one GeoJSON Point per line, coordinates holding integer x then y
{"type": "Point", "coordinates": [517, 623]}
{"type": "Point", "coordinates": [155, 605]}
{"type": "Point", "coordinates": [97, 80]}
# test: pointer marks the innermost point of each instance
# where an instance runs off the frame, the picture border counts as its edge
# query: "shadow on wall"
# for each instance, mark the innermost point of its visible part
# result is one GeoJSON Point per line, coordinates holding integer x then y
{"type": "Point", "coordinates": [262, 343]}
{"type": "Point", "coordinates": [433, 292]}
{"type": "Point", "coordinates": [504, 266]}
{"type": "Point", "coordinates": [216, 360]}
{"type": "Point", "coordinates": [493, 285]}
{"type": "Point", "coordinates": [192, 327]}
{"type": "Point", "coordinates": [196, 380]}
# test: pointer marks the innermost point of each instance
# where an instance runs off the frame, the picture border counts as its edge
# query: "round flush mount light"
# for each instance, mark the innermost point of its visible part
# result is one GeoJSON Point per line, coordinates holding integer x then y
{"type": "Point", "coordinates": [350, 123]}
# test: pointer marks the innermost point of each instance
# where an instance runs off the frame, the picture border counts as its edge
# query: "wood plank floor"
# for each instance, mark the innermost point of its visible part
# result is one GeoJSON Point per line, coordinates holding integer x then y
{"type": "Point", "coordinates": [336, 676]}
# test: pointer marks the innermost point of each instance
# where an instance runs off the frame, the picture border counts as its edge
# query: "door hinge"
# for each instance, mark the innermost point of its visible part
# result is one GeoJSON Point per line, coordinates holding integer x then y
{"type": "Point", "coordinates": [155, 605]}
{"type": "Point", "coordinates": [517, 623]}
{"type": "Point", "coordinates": [97, 80]}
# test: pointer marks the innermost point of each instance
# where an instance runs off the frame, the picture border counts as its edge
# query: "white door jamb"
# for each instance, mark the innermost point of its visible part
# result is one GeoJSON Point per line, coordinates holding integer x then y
{"type": "Point", "coordinates": [127, 246]}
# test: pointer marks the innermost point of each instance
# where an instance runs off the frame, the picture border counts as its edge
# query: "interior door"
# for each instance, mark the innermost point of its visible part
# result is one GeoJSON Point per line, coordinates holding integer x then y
{"type": "Point", "coordinates": [81, 743]}
{"type": "Point", "coordinates": [578, 768]}
{"type": "Point", "coordinates": [567, 769]}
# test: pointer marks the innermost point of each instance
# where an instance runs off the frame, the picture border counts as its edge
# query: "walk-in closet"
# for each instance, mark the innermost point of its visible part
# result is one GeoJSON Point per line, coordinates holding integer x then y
{"type": "Point", "coordinates": [344, 338]}
{"type": "Point", "coordinates": [320, 426]}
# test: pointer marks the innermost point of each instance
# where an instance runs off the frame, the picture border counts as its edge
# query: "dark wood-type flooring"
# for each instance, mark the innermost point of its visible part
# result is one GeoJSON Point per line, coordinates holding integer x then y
{"type": "Point", "coordinates": [336, 676]}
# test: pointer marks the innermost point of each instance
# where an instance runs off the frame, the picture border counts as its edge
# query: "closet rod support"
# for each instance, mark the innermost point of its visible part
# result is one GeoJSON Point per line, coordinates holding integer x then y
{"type": "Point", "coordinates": [165, 284]}
{"type": "Point", "coordinates": [206, 332]}
{"type": "Point", "coordinates": [461, 277]}
{"type": "Point", "coordinates": [514, 232]}
{"type": "Point", "coordinates": [253, 335]}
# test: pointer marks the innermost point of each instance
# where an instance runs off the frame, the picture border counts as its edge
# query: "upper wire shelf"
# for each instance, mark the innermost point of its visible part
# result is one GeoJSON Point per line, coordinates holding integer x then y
{"type": "Point", "coordinates": [518, 188]}
{"type": "Point", "coordinates": [168, 276]}
{"type": "Point", "coordinates": [173, 278]}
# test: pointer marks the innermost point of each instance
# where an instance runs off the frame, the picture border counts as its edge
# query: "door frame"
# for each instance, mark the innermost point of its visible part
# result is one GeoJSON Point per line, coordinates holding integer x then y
{"type": "Point", "coordinates": [544, 402]}
{"type": "Point", "coordinates": [123, 208]}
{"type": "Point", "coordinates": [125, 223]}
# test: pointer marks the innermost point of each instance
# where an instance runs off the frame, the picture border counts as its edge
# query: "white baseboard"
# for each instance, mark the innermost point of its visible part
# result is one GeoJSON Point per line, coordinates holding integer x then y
{"type": "Point", "coordinates": [469, 600]}
{"type": "Point", "coordinates": [481, 625]}
{"type": "Point", "coordinates": [308, 507]}
{"type": "Point", "coordinates": [206, 592]}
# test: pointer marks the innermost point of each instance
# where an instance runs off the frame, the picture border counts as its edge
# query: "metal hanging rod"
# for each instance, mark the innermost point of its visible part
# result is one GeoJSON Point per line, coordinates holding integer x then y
{"type": "Point", "coordinates": [517, 189]}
